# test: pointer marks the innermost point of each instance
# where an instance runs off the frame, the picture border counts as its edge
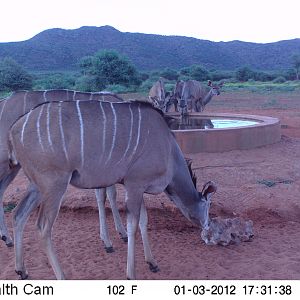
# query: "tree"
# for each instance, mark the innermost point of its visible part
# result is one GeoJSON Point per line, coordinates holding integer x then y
{"type": "Point", "coordinates": [169, 74]}
{"type": "Point", "coordinates": [244, 74]}
{"type": "Point", "coordinates": [107, 68]}
{"type": "Point", "coordinates": [199, 73]}
{"type": "Point", "coordinates": [55, 81]}
{"type": "Point", "coordinates": [296, 64]}
{"type": "Point", "coordinates": [13, 76]}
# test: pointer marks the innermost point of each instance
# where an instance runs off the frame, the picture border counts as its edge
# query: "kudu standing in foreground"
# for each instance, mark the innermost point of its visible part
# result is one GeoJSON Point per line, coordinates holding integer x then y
{"type": "Point", "coordinates": [11, 109]}
{"type": "Point", "coordinates": [93, 144]}
{"type": "Point", "coordinates": [196, 96]}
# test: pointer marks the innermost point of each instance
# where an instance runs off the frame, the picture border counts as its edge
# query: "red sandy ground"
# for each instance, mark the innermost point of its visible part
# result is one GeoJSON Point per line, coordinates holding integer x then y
{"type": "Point", "coordinates": [176, 243]}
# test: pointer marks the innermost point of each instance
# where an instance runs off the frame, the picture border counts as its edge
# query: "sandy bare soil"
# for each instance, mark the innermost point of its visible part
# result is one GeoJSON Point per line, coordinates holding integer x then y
{"type": "Point", "coordinates": [243, 179]}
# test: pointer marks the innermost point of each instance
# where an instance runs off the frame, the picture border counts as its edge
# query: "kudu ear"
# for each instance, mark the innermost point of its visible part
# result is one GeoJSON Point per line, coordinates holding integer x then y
{"type": "Point", "coordinates": [208, 189]}
{"type": "Point", "coordinates": [209, 83]}
{"type": "Point", "coordinates": [192, 174]}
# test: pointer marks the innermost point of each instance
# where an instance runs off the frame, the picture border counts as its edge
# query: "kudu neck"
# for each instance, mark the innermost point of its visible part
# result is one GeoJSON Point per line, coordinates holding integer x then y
{"type": "Point", "coordinates": [208, 97]}
{"type": "Point", "coordinates": [181, 189]}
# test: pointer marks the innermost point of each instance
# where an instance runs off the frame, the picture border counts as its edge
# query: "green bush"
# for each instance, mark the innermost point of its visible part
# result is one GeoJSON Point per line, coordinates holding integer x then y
{"type": "Point", "coordinates": [169, 74]}
{"type": "Point", "coordinates": [216, 75]}
{"type": "Point", "coordinates": [199, 73]}
{"type": "Point", "coordinates": [108, 67]}
{"type": "Point", "coordinates": [54, 81]}
{"type": "Point", "coordinates": [147, 84]}
{"type": "Point", "coordinates": [88, 83]}
{"type": "Point", "coordinates": [244, 74]}
{"type": "Point", "coordinates": [13, 76]}
{"type": "Point", "coordinates": [120, 89]}
{"type": "Point", "coordinates": [279, 79]}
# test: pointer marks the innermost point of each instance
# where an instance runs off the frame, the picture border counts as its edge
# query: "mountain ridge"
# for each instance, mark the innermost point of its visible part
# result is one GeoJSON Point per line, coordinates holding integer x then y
{"type": "Point", "coordinates": [61, 49]}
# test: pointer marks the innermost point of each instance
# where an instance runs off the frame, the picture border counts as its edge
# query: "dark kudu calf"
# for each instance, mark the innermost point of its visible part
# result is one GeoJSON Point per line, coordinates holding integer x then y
{"type": "Point", "coordinates": [22, 102]}
{"type": "Point", "coordinates": [92, 144]}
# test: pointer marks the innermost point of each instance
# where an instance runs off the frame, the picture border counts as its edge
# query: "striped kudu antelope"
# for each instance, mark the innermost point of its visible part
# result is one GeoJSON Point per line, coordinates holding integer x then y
{"type": "Point", "coordinates": [92, 144]}
{"type": "Point", "coordinates": [175, 96]}
{"type": "Point", "coordinates": [157, 95]}
{"type": "Point", "coordinates": [17, 105]}
{"type": "Point", "coordinates": [195, 96]}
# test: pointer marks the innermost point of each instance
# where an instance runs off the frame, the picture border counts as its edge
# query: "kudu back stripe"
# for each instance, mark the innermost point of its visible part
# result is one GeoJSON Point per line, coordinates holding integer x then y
{"type": "Point", "coordinates": [130, 135]}
{"type": "Point", "coordinates": [81, 132]}
{"type": "Point", "coordinates": [62, 130]}
{"type": "Point", "coordinates": [38, 129]}
{"type": "Point", "coordinates": [114, 133]}
{"type": "Point", "coordinates": [103, 129]}
{"type": "Point", "coordinates": [25, 102]}
{"type": "Point", "coordinates": [3, 102]}
{"type": "Point", "coordinates": [48, 126]}
{"type": "Point", "coordinates": [138, 132]}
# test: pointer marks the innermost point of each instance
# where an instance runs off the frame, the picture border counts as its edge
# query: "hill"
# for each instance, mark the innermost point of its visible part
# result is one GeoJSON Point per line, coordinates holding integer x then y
{"type": "Point", "coordinates": [60, 49]}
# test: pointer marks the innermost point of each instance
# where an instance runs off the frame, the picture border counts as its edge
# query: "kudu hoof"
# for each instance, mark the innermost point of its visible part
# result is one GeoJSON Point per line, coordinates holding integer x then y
{"type": "Point", "coordinates": [7, 243]}
{"type": "Point", "coordinates": [23, 275]}
{"type": "Point", "coordinates": [153, 268]}
{"type": "Point", "coordinates": [109, 249]}
{"type": "Point", "coordinates": [125, 239]}
{"type": "Point", "coordinates": [10, 244]}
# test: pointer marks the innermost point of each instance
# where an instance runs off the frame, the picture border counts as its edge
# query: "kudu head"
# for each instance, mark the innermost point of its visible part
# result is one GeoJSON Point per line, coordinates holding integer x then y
{"type": "Point", "coordinates": [200, 214]}
{"type": "Point", "coordinates": [215, 88]}
{"type": "Point", "coordinates": [159, 100]}
{"type": "Point", "coordinates": [159, 103]}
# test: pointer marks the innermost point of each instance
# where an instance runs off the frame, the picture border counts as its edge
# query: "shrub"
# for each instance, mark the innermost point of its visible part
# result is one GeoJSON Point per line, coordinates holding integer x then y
{"type": "Point", "coordinates": [55, 81]}
{"type": "Point", "coordinates": [109, 67]}
{"type": "Point", "coordinates": [220, 75]}
{"type": "Point", "coordinates": [13, 76]}
{"type": "Point", "coordinates": [88, 83]}
{"type": "Point", "coordinates": [199, 73]}
{"type": "Point", "coordinates": [279, 79]}
{"type": "Point", "coordinates": [119, 89]}
{"type": "Point", "coordinates": [169, 74]}
{"type": "Point", "coordinates": [244, 74]}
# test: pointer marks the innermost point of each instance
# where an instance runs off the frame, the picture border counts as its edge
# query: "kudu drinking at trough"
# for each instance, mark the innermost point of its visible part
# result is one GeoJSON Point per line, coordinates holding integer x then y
{"type": "Point", "coordinates": [196, 96]}
{"type": "Point", "coordinates": [17, 105]}
{"type": "Point", "coordinates": [175, 96]}
{"type": "Point", "coordinates": [157, 95]}
{"type": "Point", "coordinates": [92, 144]}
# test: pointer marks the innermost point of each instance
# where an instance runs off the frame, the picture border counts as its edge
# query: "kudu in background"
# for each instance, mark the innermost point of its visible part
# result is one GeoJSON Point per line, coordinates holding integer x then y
{"type": "Point", "coordinates": [92, 144]}
{"type": "Point", "coordinates": [196, 96]}
{"type": "Point", "coordinates": [175, 96]}
{"type": "Point", "coordinates": [17, 105]}
{"type": "Point", "coordinates": [157, 95]}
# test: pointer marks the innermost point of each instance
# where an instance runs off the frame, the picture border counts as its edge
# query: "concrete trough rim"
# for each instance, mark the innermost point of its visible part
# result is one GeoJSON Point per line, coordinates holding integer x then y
{"type": "Point", "coordinates": [263, 120]}
{"type": "Point", "coordinates": [265, 132]}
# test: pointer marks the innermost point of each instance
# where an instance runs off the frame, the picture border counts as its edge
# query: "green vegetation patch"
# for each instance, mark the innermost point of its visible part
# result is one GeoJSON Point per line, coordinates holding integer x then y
{"type": "Point", "coordinates": [271, 183]}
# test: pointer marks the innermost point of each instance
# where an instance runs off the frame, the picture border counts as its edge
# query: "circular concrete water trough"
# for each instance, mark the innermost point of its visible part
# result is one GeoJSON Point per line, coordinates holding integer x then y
{"type": "Point", "coordinates": [195, 134]}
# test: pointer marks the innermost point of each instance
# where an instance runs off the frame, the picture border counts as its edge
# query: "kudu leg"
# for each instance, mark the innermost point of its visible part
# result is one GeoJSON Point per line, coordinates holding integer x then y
{"type": "Point", "coordinates": [104, 235]}
{"type": "Point", "coordinates": [21, 215]}
{"type": "Point", "coordinates": [133, 207]}
{"type": "Point", "coordinates": [51, 201]}
{"type": "Point", "coordinates": [112, 197]}
{"type": "Point", "coordinates": [4, 183]}
{"type": "Point", "coordinates": [144, 232]}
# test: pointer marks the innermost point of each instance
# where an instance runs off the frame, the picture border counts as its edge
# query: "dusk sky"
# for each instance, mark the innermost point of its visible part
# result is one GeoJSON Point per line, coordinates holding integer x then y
{"type": "Point", "coordinates": [259, 21]}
